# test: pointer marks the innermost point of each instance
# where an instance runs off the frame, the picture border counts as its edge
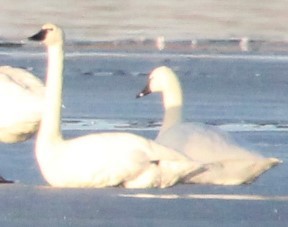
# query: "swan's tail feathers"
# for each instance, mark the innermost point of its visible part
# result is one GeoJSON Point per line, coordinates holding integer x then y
{"type": "Point", "coordinates": [4, 181]}
{"type": "Point", "coordinates": [274, 161]}
{"type": "Point", "coordinates": [233, 172]}
{"type": "Point", "coordinates": [173, 172]}
{"type": "Point", "coordinates": [150, 178]}
{"type": "Point", "coordinates": [261, 168]}
{"type": "Point", "coordinates": [194, 173]}
{"type": "Point", "coordinates": [205, 169]}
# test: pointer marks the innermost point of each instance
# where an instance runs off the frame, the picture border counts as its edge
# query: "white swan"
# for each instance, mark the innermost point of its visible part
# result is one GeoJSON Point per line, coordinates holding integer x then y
{"type": "Point", "coordinates": [103, 159]}
{"type": "Point", "coordinates": [201, 142]}
{"type": "Point", "coordinates": [21, 98]}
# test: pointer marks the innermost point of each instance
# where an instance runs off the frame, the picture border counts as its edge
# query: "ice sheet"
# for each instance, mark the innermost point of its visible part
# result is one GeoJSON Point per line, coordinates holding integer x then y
{"type": "Point", "coordinates": [246, 97]}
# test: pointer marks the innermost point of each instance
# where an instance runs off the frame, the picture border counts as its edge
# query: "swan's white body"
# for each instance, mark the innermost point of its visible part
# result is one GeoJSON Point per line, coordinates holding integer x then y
{"type": "Point", "coordinates": [201, 142]}
{"type": "Point", "coordinates": [21, 98]}
{"type": "Point", "coordinates": [98, 160]}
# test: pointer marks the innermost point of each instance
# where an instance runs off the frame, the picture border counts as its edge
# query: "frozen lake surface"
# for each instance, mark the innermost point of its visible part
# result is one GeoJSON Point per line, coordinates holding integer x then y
{"type": "Point", "coordinates": [244, 94]}
{"type": "Point", "coordinates": [112, 46]}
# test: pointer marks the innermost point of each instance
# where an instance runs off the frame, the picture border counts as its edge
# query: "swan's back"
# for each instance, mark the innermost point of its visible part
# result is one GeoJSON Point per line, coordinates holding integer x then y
{"type": "Point", "coordinates": [233, 164]}
{"type": "Point", "coordinates": [24, 79]}
{"type": "Point", "coordinates": [21, 98]}
{"type": "Point", "coordinates": [112, 159]}
{"type": "Point", "coordinates": [202, 142]}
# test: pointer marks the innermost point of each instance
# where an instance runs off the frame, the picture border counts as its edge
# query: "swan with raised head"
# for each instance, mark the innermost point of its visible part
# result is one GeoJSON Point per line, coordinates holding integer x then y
{"type": "Point", "coordinates": [102, 159]}
{"type": "Point", "coordinates": [202, 142]}
{"type": "Point", "coordinates": [21, 98]}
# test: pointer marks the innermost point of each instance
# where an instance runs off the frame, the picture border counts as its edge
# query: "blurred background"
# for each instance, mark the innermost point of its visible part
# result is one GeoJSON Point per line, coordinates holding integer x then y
{"type": "Point", "coordinates": [96, 20]}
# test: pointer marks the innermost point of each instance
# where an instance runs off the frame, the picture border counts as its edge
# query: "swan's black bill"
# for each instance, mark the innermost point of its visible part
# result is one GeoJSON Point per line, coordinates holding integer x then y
{"type": "Point", "coordinates": [145, 91]}
{"type": "Point", "coordinates": [4, 181]}
{"type": "Point", "coordinates": [40, 36]}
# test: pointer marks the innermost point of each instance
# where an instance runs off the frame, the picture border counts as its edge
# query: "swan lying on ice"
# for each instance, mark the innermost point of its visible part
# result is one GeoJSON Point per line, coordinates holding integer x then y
{"type": "Point", "coordinates": [103, 159]}
{"type": "Point", "coordinates": [21, 98]}
{"type": "Point", "coordinates": [200, 142]}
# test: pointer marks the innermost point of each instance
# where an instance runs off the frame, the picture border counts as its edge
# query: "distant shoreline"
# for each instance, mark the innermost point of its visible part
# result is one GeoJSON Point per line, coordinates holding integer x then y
{"type": "Point", "coordinates": [173, 20]}
{"type": "Point", "coordinates": [212, 46]}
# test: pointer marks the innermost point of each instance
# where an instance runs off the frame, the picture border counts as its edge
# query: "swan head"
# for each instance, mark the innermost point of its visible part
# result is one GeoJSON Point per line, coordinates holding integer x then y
{"type": "Point", "coordinates": [49, 34]}
{"type": "Point", "coordinates": [160, 79]}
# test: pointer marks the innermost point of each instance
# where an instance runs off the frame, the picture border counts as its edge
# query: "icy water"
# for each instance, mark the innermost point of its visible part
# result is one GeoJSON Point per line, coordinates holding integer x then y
{"type": "Point", "coordinates": [244, 94]}
{"type": "Point", "coordinates": [111, 47]}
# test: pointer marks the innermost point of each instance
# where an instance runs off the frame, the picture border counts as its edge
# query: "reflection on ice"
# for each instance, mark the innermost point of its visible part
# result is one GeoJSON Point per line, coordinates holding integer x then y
{"type": "Point", "coordinates": [208, 197]}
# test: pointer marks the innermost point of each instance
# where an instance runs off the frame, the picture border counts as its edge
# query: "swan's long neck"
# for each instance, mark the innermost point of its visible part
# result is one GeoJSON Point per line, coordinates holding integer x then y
{"type": "Point", "coordinates": [50, 127]}
{"type": "Point", "coordinates": [172, 101]}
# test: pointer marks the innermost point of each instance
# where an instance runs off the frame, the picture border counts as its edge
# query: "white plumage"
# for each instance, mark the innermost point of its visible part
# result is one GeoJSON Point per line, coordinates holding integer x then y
{"type": "Point", "coordinates": [200, 142]}
{"type": "Point", "coordinates": [21, 98]}
{"type": "Point", "coordinates": [103, 159]}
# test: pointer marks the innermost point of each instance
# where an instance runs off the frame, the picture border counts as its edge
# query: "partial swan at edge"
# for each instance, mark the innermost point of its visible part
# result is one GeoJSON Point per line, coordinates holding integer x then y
{"type": "Point", "coordinates": [4, 181]}
{"type": "Point", "coordinates": [21, 98]}
{"type": "Point", "coordinates": [201, 142]}
{"type": "Point", "coordinates": [103, 159]}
